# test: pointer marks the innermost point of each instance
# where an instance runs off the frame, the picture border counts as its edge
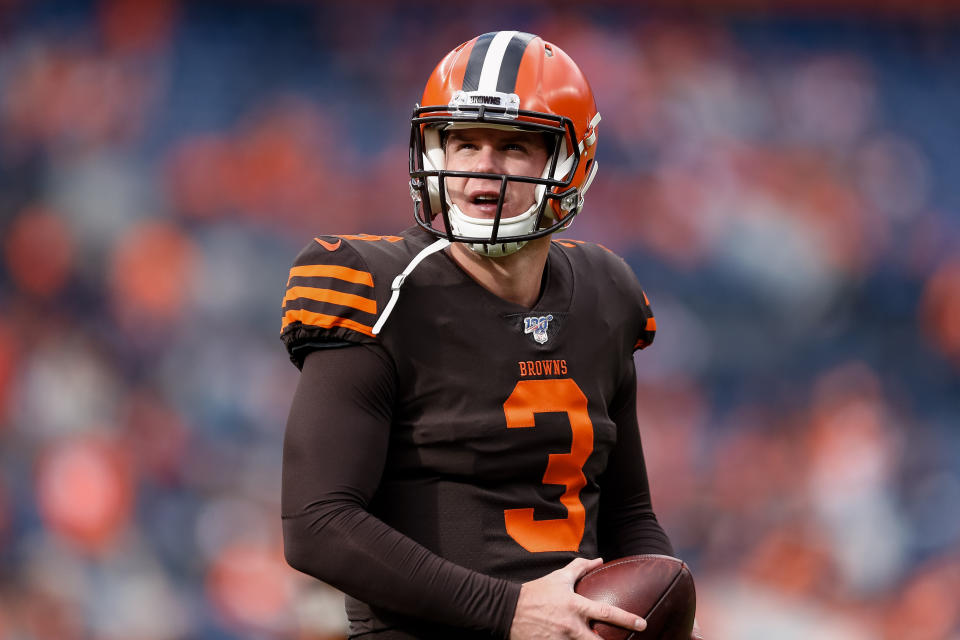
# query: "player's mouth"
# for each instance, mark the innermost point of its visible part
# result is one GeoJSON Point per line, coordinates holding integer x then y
{"type": "Point", "coordinates": [484, 203]}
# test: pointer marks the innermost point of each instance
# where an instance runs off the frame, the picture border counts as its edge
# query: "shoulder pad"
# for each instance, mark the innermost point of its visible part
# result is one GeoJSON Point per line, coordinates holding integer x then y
{"type": "Point", "coordinates": [625, 280]}
{"type": "Point", "coordinates": [330, 296]}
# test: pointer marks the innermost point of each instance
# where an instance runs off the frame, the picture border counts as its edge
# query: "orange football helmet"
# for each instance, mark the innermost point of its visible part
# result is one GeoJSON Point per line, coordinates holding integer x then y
{"type": "Point", "coordinates": [505, 80]}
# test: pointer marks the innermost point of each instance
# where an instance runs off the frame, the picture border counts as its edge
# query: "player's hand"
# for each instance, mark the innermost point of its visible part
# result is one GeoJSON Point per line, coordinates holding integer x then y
{"type": "Point", "coordinates": [548, 608]}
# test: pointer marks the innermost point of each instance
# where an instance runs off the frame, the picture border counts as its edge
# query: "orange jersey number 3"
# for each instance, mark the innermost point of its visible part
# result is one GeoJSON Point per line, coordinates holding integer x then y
{"type": "Point", "coordinates": [530, 397]}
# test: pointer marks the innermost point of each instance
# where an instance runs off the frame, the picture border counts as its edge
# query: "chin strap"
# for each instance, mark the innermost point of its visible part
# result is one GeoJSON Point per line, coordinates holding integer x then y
{"type": "Point", "coordinates": [439, 245]}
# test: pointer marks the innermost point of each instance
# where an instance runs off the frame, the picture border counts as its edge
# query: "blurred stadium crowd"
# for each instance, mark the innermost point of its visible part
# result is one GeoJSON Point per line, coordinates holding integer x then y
{"type": "Point", "coordinates": [786, 185]}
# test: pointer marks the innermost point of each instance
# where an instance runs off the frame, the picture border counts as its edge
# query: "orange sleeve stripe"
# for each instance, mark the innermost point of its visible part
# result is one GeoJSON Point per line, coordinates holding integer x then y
{"type": "Point", "coordinates": [369, 238]}
{"type": "Point", "coordinates": [651, 324]}
{"type": "Point", "coordinates": [325, 321]}
{"type": "Point", "coordinates": [641, 344]}
{"type": "Point", "coordinates": [332, 271]}
{"type": "Point", "coordinates": [334, 297]}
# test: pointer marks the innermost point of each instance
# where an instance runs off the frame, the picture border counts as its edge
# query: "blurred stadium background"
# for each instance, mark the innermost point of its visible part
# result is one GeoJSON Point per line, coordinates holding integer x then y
{"type": "Point", "coordinates": [784, 178]}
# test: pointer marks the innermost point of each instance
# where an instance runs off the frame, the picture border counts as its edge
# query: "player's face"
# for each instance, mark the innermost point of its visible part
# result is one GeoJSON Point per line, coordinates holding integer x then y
{"type": "Point", "coordinates": [516, 153]}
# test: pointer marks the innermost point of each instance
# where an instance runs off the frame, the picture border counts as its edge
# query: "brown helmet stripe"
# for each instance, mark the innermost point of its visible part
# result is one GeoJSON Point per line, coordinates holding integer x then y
{"type": "Point", "coordinates": [471, 76]}
{"type": "Point", "coordinates": [510, 66]}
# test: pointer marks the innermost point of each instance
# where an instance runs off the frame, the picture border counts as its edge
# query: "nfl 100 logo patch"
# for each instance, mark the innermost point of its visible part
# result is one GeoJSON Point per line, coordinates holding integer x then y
{"type": "Point", "coordinates": [537, 325]}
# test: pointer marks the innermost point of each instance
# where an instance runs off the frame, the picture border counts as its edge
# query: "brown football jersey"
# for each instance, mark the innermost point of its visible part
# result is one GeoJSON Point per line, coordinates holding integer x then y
{"type": "Point", "coordinates": [501, 427]}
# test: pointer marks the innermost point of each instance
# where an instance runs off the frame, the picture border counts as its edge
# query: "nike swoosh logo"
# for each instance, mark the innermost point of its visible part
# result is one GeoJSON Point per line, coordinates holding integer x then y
{"type": "Point", "coordinates": [329, 246]}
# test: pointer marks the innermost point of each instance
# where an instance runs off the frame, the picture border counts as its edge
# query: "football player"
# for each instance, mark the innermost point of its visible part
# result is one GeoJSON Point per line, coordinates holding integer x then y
{"type": "Point", "coordinates": [463, 442]}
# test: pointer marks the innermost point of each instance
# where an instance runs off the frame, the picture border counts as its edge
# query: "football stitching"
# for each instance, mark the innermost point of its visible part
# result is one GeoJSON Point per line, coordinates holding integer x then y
{"type": "Point", "coordinates": [630, 560]}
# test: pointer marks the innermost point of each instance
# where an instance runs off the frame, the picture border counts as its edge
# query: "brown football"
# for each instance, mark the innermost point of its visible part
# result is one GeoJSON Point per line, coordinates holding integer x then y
{"type": "Point", "coordinates": [658, 588]}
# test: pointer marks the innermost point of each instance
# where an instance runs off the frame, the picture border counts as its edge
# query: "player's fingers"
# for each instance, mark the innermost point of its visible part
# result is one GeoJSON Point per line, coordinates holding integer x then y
{"type": "Point", "coordinates": [579, 567]}
{"type": "Point", "coordinates": [613, 615]}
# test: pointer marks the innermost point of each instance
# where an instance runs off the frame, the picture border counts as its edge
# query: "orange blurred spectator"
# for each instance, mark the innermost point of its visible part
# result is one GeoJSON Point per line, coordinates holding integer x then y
{"type": "Point", "coordinates": [39, 251]}
{"type": "Point", "coordinates": [150, 272]}
{"type": "Point", "coordinates": [198, 175]}
{"type": "Point", "coordinates": [928, 607]}
{"type": "Point", "coordinates": [137, 27]}
{"type": "Point", "coordinates": [794, 560]}
{"type": "Point", "coordinates": [940, 309]}
{"type": "Point", "coordinates": [39, 614]}
{"type": "Point", "coordinates": [251, 586]}
{"type": "Point", "coordinates": [85, 490]}
{"type": "Point", "coordinates": [8, 368]}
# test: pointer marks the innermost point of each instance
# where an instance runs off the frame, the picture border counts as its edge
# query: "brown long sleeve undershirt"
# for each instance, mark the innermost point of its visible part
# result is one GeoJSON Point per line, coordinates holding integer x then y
{"type": "Point", "coordinates": [333, 454]}
{"type": "Point", "coordinates": [628, 524]}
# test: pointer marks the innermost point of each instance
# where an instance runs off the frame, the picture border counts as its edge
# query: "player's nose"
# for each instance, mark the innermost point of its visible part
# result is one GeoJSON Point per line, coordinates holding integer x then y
{"type": "Point", "coordinates": [487, 160]}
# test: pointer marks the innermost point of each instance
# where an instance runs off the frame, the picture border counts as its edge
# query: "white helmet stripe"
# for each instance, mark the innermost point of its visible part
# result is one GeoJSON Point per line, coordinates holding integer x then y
{"type": "Point", "coordinates": [491, 64]}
